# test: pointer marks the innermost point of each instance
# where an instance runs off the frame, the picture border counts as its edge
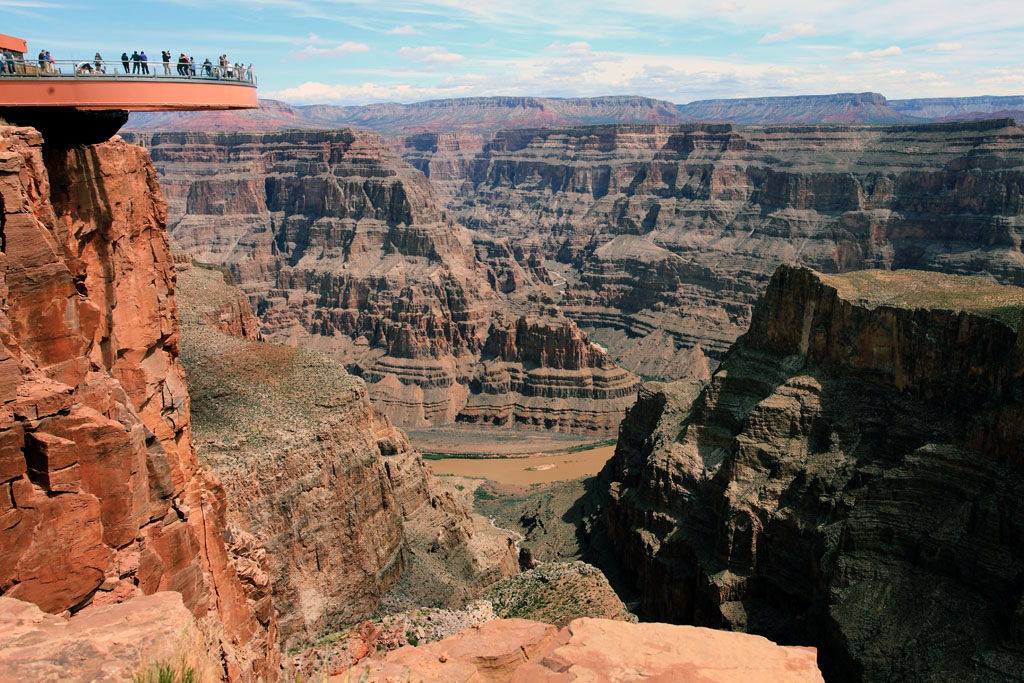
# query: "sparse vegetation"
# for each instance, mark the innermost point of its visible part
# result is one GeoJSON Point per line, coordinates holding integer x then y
{"type": "Point", "coordinates": [164, 672]}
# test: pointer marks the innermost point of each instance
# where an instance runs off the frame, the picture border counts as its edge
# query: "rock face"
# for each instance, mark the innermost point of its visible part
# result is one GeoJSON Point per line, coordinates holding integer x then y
{"type": "Point", "coordinates": [343, 249]}
{"type": "Point", "coordinates": [122, 642]}
{"type": "Point", "coordinates": [864, 107]}
{"type": "Point", "coordinates": [850, 478]}
{"type": "Point", "coordinates": [596, 650]}
{"type": "Point", "coordinates": [338, 498]}
{"type": "Point", "coordinates": [101, 495]}
{"type": "Point", "coordinates": [660, 238]}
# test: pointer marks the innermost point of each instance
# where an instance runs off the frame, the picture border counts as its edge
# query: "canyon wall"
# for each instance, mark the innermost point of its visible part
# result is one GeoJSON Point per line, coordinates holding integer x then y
{"type": "Point", "coordinates": [342, 248]}
{"type": "Point", "coordinates": [850, 478]}
{"type": "Point", "coordinates": [335, 494]}
{"type": "Point", "coordinates": [659, 239]}
{"type": "Point", "coordinates": [101, 495]}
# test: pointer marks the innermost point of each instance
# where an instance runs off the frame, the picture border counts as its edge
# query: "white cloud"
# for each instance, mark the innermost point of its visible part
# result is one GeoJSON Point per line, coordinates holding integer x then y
{"type": "Point", "coordinates": [577, 49]}
{"type": "Point", "coordinates": [434, 54]}
{"type": "Point", "coordinates": [406, 30]}
{"type": "Point", "coordinates": [724, 7]}
{"type": "Point", "coordinates": [789, 33]}
{"type": "Point", "coordinates": [944, 47]}
{"type": "Point", "coordinates": [346, 48]}
{"type": "Point", "coordinates": [885, 53]}
{"type": "Point", "coordinates": [322, 93]}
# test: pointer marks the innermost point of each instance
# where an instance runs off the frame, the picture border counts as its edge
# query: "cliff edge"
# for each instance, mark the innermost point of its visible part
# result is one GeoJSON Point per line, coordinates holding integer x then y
{"type": "Point", "coordinates": [850, 478]}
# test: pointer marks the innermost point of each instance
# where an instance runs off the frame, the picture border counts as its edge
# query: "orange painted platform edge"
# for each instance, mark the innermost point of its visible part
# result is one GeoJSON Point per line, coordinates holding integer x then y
{"type": "Point", "coordinates": [130, 94]}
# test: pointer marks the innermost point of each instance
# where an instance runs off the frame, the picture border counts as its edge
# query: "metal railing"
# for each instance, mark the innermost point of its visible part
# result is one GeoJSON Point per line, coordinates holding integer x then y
{"type": "Point", "coordinates": [92, 68]}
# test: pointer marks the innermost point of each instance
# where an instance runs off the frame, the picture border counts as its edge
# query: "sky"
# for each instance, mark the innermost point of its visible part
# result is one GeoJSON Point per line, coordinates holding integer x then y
{"type": "Point", "coordinates": [364, 51]}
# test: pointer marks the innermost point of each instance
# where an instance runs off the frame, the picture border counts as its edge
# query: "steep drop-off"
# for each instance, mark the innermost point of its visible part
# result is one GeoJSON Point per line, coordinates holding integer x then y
{"type": "Point", "coordinates": [850, 478]}
{"type": "Point", "coordinates": [101, 495]}
{"type": "Point", "coordinates": [660, 238]}
{"type": "Point", "coordinates": [333, 492]}
{"type": "Point", "coordinates": [342, 248]}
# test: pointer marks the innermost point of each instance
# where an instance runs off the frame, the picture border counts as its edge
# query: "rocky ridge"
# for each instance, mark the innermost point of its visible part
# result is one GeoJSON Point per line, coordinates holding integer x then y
{"type": "Point", "coordinates": [659, 239]}
{"type": "Point", "coordinates": [101, 495]}
{"type": "Point", "coordinates": [849, 478]}
{"type": "Point", "coordinates": [343, 249]}
{"type": "Point", "coordinates": [339, 499]}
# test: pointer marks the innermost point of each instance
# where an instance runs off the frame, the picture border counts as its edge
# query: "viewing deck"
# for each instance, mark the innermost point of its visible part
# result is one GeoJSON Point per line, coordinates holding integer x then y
{"type": "Point", "coordinates": [86, 86]}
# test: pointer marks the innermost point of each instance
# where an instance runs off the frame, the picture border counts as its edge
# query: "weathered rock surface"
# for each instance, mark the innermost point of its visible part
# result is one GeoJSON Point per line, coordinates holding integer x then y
{"type": "Point", "coordinates": [343, 249]}
{"type": "Point", "coordinates": [101, 495]}
{"type": "Point", "coordinates": [666, 235]}
{"type": "Point", "coordinates": [332, 490]}
{"type": "Point", "coordinates": [596, 650]}
{"type": "Point", "coordinates": [849, 479]}
{"type": "Point", "coordinates": [122, 642]}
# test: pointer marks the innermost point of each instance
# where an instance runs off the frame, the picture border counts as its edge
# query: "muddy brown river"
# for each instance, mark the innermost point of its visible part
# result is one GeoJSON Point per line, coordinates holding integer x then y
{"type": "Point", "coordinates": [535, 469]}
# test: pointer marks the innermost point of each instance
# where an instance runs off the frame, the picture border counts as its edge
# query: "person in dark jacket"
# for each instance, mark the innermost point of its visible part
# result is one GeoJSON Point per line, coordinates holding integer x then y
{"type": "Point", "coordinates": [124, 61]}
{"type": "Point", "coordinates": [145, 62]}
{"type": "Point", "coordinates": [182, 65]}
{"type": "Point", "coordinates": [136, 67]}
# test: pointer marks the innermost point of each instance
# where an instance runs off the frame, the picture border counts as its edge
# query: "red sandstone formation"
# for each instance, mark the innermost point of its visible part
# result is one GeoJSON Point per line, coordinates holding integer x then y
{"type": "Point", "coordinates": [595, 650]}
{"type": "Point", "coordinates": [101, 495]}
{"type": "Point", "coordinates": [123, 642]}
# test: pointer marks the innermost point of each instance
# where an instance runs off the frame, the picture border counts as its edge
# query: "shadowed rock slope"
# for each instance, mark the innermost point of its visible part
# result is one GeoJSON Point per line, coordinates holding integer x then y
{"type": "Point", "coordinates": [101, 496]}
{"type": "Point", "coordinates": [850, 478]}
{"type": "Point", "coordinates": [342, 248]}
{"type": "Point", "coordinates": [331, 489]}
{"type": "Point", "coordinates": [659, 239]}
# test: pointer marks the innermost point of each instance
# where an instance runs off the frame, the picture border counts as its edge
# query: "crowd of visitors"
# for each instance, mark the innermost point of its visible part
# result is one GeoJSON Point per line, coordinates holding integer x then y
{"type": "Point", "coordinates": [137, 64]}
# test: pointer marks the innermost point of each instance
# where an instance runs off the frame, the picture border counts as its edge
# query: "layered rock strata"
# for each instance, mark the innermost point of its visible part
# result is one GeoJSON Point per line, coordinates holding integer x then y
{"type": "Point", "coordinates": [659, 239]}
{"type": "Point", "coordinates": [342, 248]}
{"type": "Point", "coordinates": [333, 491]}
{"type": "Point", "coordinates": [850, 478]}
{"type": "Point", "coordinates": [101, 495]}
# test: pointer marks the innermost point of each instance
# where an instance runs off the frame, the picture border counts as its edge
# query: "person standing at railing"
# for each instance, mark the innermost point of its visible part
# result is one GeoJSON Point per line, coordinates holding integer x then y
{"type": "Point", "coordinates": [165, 57]}
{"type": "Point", "coordinates": [42, 60]}
{"type": "Point", "coordinates": [145, 63]}
{"type": "Point", "coordinates": [98, 61]}
{"type": "Point", "coordinates": [124, 61]}
{"type": "Point", "coordinates": [192, 66]}
{"type": "Point", "coordinates": [249, 72]}
{"type": "Point", "coordinates": [208, 68]}
{"type": "Point", "coordinates": [9, 61]}
{"type": "Point", "coordinates": [49, 63]}
{"type": "Point", "coordinates": [136, 67]}
{"type": "Point", "coordinates": [182, 64]}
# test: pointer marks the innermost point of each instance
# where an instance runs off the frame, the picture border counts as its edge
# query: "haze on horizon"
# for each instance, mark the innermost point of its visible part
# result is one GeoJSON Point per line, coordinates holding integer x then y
{"type": "Point", "coordinates": [362, 51]}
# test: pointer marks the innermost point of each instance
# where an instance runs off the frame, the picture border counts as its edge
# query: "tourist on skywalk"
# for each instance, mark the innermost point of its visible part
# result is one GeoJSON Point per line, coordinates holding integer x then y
{"type": "Point", "coordinates": [208, 68]}
{"type": "Point", "coordinates": [145, 62]}
{"type": "Point", "coordinates": [124, 61]}
{"type": "Point", "coordinates": [98, 61]}
{"type": "Point", "coordinates": [9, 61]}
{"type": "Point", "coordinates": [192, 66]}
{"type": "Point", "coordinates": [165, 57]}
{"type": "Point", "coordinates": [249, 72]}
{"type": "Point", "coordinates": [136, 67]}
{"type": "Point", "coordinates": [42, 60]}
{"type": "Point", "coordinates": [182, 64]}
{"type": "Point", "coordinates": [49, 63]}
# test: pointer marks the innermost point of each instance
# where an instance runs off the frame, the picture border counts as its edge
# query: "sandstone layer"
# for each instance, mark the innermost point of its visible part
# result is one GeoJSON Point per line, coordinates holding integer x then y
{"type": "Point", "coordinates": [126, 642]}
{"type": "Point", "coordinates": [595, 650]}
{"type": "Point", "coordinates": [659, 239]}
{"type": "Point", "coordinates": [333, 492]}
{"type": "Point", "coordinates": [850, 478]}
{"type": "Point", "coordinates": [101, 495]}
{"type": "Point", "coordinates": [342, 248]}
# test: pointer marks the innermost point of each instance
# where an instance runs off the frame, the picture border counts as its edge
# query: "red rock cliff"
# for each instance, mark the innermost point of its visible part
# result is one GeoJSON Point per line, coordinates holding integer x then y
{"type": "Point", "coordinates": [101, 495]}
